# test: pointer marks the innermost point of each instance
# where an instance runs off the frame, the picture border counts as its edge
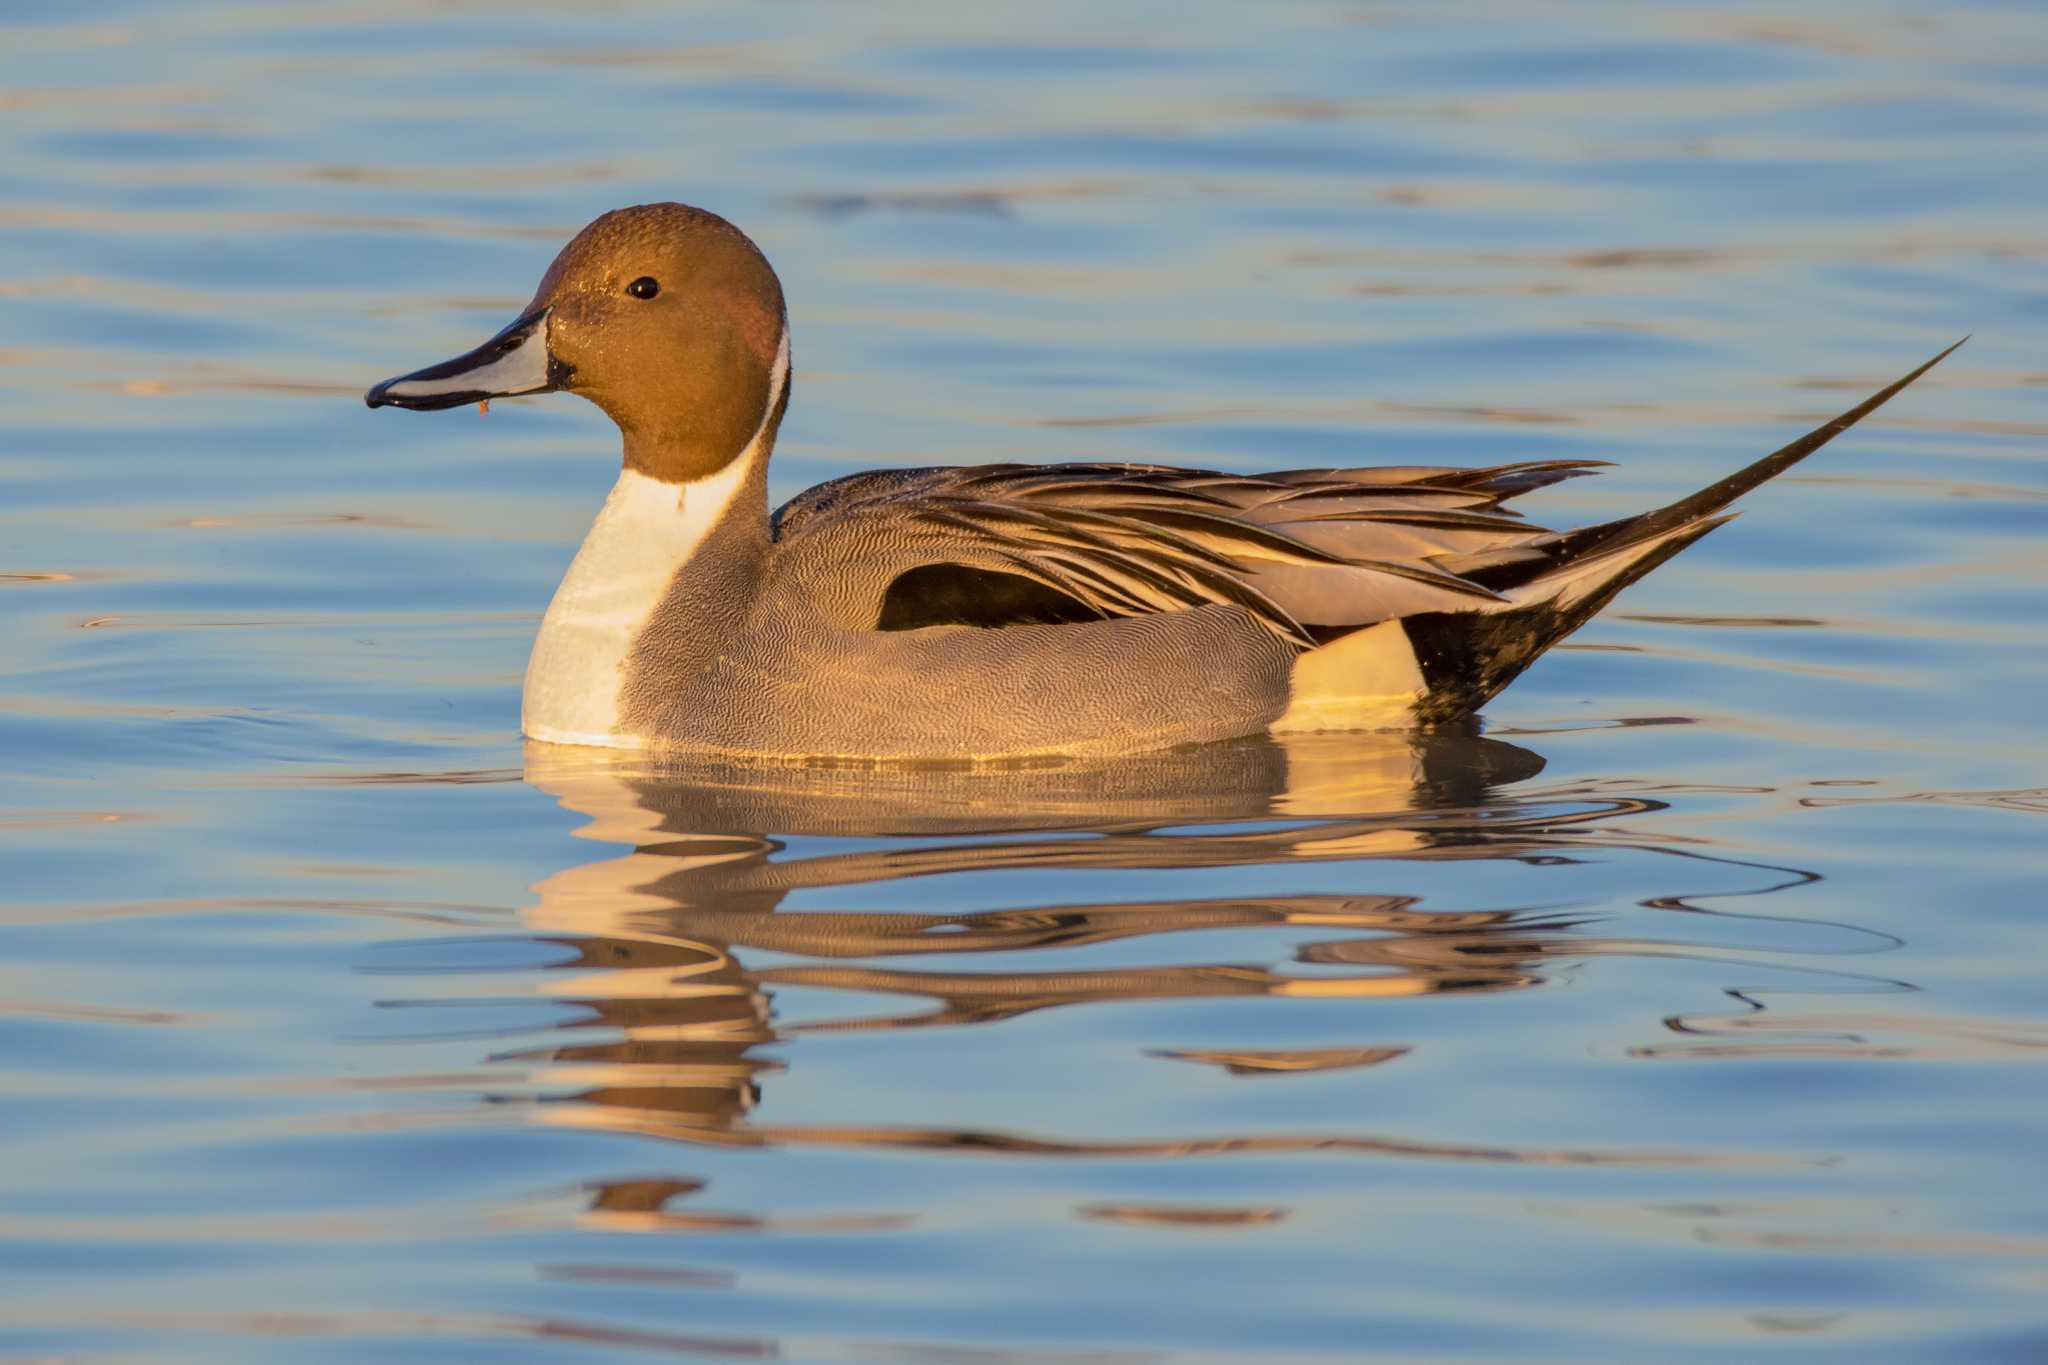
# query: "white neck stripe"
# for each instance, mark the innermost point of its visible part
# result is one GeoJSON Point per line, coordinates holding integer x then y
{"type": "Point", "coordinates": [778, 381]}
{"type": "Point", "coordinates": [645, 535]}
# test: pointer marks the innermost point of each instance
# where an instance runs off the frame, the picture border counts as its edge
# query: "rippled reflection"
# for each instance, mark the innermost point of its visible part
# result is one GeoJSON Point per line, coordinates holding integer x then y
{"type": "Point", "coordinates": [672, 957]}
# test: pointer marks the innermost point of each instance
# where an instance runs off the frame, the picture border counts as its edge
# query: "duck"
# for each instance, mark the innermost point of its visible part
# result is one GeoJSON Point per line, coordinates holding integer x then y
{"type": "Point", "coordinates": [998, 611]}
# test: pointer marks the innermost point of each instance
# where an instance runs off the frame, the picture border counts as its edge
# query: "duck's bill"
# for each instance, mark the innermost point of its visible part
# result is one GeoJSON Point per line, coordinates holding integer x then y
{"type": "Point", "coordinates": [516, 360]}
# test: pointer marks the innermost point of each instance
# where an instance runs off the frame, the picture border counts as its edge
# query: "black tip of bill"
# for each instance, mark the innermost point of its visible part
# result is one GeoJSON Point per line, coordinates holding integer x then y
{"type": "Point", "coordinates": [514, 361]}
{"type": "Point", "coordinates": [382, 396]}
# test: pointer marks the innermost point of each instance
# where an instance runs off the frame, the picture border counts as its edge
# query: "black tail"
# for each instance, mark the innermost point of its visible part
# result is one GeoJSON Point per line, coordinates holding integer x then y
{"type": "Point", "coordinates": [1468, 657]}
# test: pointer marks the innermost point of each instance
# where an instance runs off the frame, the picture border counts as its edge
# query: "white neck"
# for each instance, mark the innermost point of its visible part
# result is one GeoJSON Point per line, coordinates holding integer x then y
{"type": "Point", "coordinates": [645, 534]}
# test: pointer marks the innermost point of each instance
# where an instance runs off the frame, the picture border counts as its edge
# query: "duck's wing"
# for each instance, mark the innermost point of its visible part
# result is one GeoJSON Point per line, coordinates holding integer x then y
{"type": "Point", "coordinates": [1309, 553]}
{"type": "Point", "coordinates": [1315, 556]}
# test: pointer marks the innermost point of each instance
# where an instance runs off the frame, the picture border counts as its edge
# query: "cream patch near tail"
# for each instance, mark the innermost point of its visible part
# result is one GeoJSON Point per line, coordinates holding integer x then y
{"type": "Point", "coordinates": [1368, 680]}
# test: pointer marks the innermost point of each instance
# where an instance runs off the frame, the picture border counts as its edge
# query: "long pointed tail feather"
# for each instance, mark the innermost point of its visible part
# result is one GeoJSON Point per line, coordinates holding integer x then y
{"type": "Point", "coordinates": [1467, 657]}
{"type": "Point", "coordinates": [1715, 496]}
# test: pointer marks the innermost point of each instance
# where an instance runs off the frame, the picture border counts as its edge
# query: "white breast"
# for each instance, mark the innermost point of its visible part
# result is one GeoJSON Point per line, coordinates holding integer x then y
{"type": "Point", "coordinates": [644, 535]}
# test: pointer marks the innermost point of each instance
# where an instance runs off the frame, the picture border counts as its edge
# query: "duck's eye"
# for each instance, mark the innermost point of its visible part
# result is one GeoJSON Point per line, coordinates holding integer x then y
{"type": "Point", "coordinates": [646, 287]}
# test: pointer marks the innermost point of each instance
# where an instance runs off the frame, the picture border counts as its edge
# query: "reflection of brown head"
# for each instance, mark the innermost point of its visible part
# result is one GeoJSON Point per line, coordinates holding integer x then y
{"type": "Point", "coordinates": [678, 1021]}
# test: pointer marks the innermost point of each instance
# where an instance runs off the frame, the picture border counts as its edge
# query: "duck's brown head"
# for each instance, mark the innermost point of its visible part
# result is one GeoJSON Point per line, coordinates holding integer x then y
{"type": "Point", "coordinates": [665, 316]}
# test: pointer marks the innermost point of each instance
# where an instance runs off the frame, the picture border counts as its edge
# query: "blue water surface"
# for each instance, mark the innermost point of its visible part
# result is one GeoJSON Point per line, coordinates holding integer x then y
{"type": "Point", "coordinates": [1687, 1008]}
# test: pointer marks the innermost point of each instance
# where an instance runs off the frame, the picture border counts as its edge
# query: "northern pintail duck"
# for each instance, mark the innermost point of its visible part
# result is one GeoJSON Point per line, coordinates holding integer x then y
{"type": "Point", "coordinates": [996, 610]}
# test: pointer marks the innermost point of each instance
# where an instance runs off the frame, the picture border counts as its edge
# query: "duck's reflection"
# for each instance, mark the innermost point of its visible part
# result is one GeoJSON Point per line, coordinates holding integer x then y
{"type": "Point", "coordinates": [676, 952]}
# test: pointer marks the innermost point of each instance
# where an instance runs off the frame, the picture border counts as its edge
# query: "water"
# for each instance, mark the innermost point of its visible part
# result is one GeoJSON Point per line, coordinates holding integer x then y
{"type": "Point", "coordinates": [1690, 1010]}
